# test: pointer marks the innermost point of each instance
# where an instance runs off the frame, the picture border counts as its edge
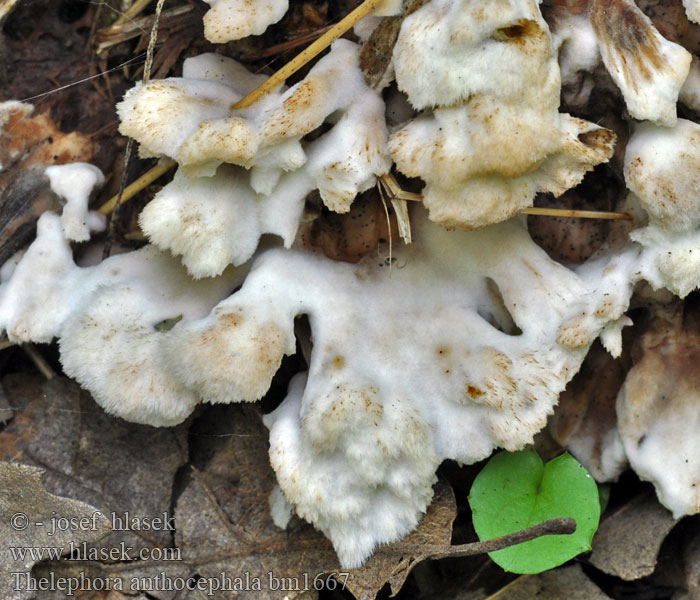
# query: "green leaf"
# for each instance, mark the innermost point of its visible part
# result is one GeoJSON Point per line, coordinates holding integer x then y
{"type": "Point", "coordinates": [515, 491]}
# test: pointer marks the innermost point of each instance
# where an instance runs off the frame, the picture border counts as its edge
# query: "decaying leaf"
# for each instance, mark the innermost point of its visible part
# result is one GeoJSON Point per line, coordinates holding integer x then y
{"type": "Point", "coordinates": [585, 421]}
{"type": "Point", "coordinates": [628, 541]}
{"type": "Point", "coordinates": [116, 466]}
{"type": "Point", "coordinates": [28, 517]}
{"type": "Point", "coordinates": [392, 563]}
{"type": "Point", "coordinates": [29, 140]}
{"type": "Point", "coordinates": [28, 144]}
{"type": "Point", "coordinates": [570, 583]}
{"type": "Point", "coordinates": [223, 525]}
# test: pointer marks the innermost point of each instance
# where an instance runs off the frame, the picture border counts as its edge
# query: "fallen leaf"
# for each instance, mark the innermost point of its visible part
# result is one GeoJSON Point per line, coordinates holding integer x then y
{"type": "Point", "coordinates": [568, 582]}
{"type": "Point", "coordinates": [28, 144]}
{"type": "Point", "coordinates": [28, 514]}
{"type": "Point", "coordinates": [393, 563]}
{"type": "Point", "coordinates": [227, 544]}
{"type": "Point", "coordinates": [28, 140]}
{"type": "Point", "coordinates": [627, 542]}
{"type": "Point", "coordinates": [585, 421]}
{"type": "Point", "coordinates": [118, 467]}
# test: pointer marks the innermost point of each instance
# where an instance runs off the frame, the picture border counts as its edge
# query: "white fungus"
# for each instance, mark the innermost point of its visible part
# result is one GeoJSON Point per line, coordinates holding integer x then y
{"type": "Point", "coordinates": [648, 69]}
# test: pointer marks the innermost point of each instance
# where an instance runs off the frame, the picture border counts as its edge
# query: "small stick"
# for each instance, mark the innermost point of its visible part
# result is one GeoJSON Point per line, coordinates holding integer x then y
{"type": "Point", "coordinates": [310, 52]}
{"type": "Point", "coordinates": [4, 342]}
{"type": "Point", "coordinates": [559, 526]}
{"type": "Point", "coordinates": [142, 182]}
{"type": "Point", "coordinates": [389, 186]}
{"type": "Point", "coordinates": [39, 361]}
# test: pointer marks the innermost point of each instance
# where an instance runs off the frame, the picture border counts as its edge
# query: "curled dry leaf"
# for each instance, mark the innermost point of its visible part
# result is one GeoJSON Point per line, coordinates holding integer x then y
{"type": "Point", "coordinates": [628, 541]}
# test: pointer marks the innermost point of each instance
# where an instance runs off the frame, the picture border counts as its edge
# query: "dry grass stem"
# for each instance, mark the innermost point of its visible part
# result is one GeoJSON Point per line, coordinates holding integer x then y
{"type": "Point", "coordinates": [576, 214]}
{"type": "Point", "coordinates": [388, 186]}
{"type": "Point", "coordinates": [163, 166]}
{"type": "Point", "coordinates": [309, 53]}
{"type": "Point", "coordinates": [116, 34]}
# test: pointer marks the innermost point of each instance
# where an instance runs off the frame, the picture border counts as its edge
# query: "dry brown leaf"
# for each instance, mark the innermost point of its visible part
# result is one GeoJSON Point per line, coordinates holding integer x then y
{"type": "Point", "coordinates": [28, 144]}
{"type": "Point", "coordinates": [569, 582]}
{"type": "Point", "coordinates": [28, 140]}
{"type": "Point", "coordinates": [585, 420]}
{"type": "Point", "coordinates": [628, 541]}
{"type": "Point", "coordinates": [26, 513]}
{"type": "Point", "coordinates": [111, 464]}
{"type": "Point", "coordinates": [223, 526]}
{"type": "Point", "coordinates": [393, 563]}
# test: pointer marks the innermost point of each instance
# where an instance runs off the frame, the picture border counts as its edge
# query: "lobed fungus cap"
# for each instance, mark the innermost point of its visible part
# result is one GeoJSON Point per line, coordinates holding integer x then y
{"type": "Point", "coordinates": [648, 69]}
{"type": "Point", "coordinates": [229, 20]}
{"type": "Point", "coordinates": [662, 167]}
{"type": "Point", "coordinates": [382, 410]}
{"type": "Point", "coordinates": [499, 138]}
{"type": "Point", "coordinates": [217, 220]}
{"type": "Point", "coordinates": [73, 183]}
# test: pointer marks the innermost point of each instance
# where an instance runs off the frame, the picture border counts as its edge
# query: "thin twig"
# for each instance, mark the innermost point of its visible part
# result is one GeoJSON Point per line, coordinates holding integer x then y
{"type": "Point", "coordinates": [577, 214]}
{"type": "Point", "coordinates": [39, 361]}
{"type": "Point", "coordinates": [152, 42]}
{"type": "Point", "coordinates": [163, 166]}
{"type": "Point", "coordinates": [310, 52]}
{"type": "Point", "coordinates": [559, 526]}
{"type": "Point", "coordinates": [394, 191]}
